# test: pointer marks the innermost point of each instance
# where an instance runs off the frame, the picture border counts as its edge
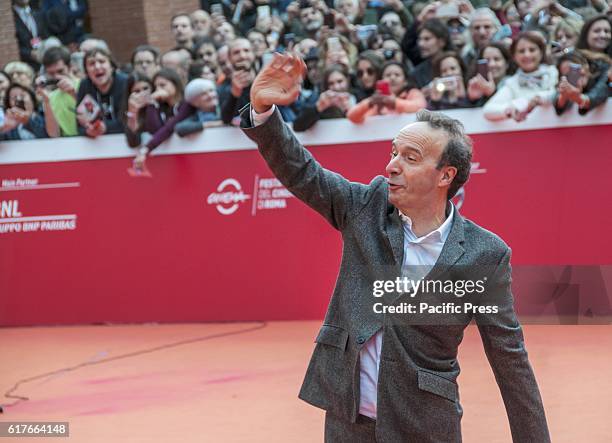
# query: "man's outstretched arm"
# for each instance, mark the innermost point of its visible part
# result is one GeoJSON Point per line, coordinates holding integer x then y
{"type": "Point", "coordinates": [328, 193]}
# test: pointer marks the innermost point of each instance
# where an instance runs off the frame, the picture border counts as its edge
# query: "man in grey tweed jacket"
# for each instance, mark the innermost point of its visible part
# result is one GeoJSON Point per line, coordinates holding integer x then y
{"type": "Point", "coordinates": [416, 396]}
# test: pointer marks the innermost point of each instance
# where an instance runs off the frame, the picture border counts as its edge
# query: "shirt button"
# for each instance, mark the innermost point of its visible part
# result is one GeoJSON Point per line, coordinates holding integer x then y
{"type": "Point", "coordinates": [361, 340]}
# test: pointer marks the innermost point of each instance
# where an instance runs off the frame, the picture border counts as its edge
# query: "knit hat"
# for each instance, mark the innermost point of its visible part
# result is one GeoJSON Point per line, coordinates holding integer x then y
{"type": "Point", "coordinates": [196, 87]}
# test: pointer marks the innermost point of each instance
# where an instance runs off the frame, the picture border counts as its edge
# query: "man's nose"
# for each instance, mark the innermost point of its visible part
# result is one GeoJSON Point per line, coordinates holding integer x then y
{"type": "Point", "coordinates": [393, 167]}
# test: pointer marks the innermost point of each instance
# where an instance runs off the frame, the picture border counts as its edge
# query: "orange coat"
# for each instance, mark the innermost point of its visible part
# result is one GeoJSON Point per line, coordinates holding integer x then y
{"type": "Point", "coordinates": [407, 102]}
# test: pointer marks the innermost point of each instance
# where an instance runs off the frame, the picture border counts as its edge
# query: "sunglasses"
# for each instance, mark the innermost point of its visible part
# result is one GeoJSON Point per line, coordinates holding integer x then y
{"type": "Point", "coordinates": [361, 72]}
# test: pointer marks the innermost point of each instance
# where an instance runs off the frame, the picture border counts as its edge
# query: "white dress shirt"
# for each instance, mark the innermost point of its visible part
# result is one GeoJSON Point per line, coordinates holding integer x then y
{"type": "Point", "coordinates": [418, 251]}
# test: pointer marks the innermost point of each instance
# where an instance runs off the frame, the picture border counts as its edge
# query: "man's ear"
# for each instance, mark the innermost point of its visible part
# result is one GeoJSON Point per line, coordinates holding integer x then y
{"type": "Point", "coordinates": [448, 174]}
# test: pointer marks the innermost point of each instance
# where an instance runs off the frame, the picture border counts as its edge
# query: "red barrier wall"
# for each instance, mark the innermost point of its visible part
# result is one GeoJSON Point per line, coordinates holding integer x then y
{"type": "Point", "coordinates": [104, 247]}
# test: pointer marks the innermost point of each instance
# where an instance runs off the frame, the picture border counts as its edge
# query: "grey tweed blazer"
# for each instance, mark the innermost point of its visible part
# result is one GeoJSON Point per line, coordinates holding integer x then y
{"type": "Point", "coordinates": [418, 398]}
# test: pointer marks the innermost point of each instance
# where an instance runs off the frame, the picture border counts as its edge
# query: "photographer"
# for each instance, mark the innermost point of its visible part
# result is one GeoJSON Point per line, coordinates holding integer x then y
{"type": "Point", "coordinates": [333, 102]}
{"type": "Point", "coordinates": [581, 83]}
{"type": "Point", "coordinates": [62, 88]}
{"type": "Point", "coordinates": [234, 91]}
{"type": "Point", "coordinates": [448, 90]}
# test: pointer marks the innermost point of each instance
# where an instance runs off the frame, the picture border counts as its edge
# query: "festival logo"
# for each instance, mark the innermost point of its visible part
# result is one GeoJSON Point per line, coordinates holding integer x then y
{"type": "Point", "coordinates": [228, 197]}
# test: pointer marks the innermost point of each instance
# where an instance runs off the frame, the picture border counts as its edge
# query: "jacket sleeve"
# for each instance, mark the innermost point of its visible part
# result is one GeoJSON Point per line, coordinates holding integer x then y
{"type": "Point", "coordinates": [412, 102]}
{"type": "Point", "coordinates": [163, 133]}
{"type": "Point", "coordinates": [504, 346]}
{"type": "Point", "coordinates": [327, 192]}
{"type": "Point", "coordinates": [598, 94]}
{"type": "Point", "coordinates": [306, 119]}
{"type": "Point", "coordinates": [357, 113]}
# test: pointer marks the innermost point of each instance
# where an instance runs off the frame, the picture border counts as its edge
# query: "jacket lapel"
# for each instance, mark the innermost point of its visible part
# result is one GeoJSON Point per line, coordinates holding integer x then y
{"type": "Point", "coordinates": [452, 249]}
{"type": "Point", "coordinates": [395, 235]}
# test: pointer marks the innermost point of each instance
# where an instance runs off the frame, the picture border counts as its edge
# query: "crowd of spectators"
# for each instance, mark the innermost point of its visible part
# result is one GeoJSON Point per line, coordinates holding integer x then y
{"type": "Point", "coordinates": [363, 57]}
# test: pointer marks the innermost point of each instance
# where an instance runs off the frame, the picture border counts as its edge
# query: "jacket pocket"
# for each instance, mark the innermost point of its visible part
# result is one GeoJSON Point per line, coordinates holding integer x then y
{"type": "Point", "coordinates": [437, 384]}
{"type": "Point", "coordinates": [332, 336]}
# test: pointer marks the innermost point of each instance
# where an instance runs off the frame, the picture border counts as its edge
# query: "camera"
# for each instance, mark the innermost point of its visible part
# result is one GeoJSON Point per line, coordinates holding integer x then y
{"type": "Point", "coordinates": [389, 54]}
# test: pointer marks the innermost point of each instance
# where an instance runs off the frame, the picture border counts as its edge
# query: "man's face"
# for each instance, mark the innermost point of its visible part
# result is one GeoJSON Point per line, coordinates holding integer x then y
{"type": "Point", "coordinates": [182, 30]}
{"type": "Point", "coordinates": [241, 54]}
{"type": "Point", "coordinates": [393, 22]}
{"type": "Point", "coordinates": [57, 70]}
{"type": "Point", "coordinates": [429, 44]}
{"type": "Point", "coordinates": [413, 177]}
{"type": "Point", "coordinates": [144, 63]}
{"type": "Point", "coordinates": [311, 19]}
{"type": "Point", "coordinates": [201, 22]}
{"type": "Point", "coordinates": [482, 29]}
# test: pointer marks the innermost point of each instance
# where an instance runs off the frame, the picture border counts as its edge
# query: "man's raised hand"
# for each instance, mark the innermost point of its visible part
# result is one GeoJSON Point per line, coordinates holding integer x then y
{"type": "Point", "coordinates": [278, 83]}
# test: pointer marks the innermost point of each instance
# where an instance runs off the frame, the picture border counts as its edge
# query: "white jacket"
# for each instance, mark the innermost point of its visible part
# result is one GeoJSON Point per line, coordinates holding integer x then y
{"type": "Point", "coordinates": [520, 88]}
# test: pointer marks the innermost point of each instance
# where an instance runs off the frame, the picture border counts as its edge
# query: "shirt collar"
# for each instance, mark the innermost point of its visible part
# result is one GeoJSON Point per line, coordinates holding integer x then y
{"type": "Point", "coordinates": [438, 235]}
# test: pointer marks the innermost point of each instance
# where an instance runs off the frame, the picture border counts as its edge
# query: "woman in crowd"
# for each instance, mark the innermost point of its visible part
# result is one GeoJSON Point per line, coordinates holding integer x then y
{"type": "Point", "coordinates": [369, 66]}
{"type": "Point", "coordinates": [448, 90]}
{"type": "Point", "coordinates": [533, 84]}
{"type": "Point", "coordinates": [337, 50]}
{"type": "Point", "coordinates": [202, 70]}
{"type": "Point", "coordinates": [5, 81]}
{"type": "Point", "coordinates": [589, 88]}
{"type": "Point", "coordinates": [499, 67]}
{"type": "Point", "coordinates": [171, 109]}
{"type": "Point", "coordinates": [136, 105]}
{"type": "Point", "coordinates": [595, 36]}
{"type": "Point", "coordinates": [202, 95]}
{"type": "Point", "coordinates": [564, 38]}
{"type": "Point", "coordinates": [21, 119]}
{"type": "Point", "coordinates": [20, 73]}
{"type": "Point", "coordinates": [333, 102]}
{"type": "Point", "coordinates": [404, 96]}
{"type": "Point", "coordinates": [105, 86]}
{"type": "Point", "coordinates": [433, 38]}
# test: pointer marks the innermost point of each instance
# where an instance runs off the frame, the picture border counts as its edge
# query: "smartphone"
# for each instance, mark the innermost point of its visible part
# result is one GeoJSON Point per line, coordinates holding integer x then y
{"type": "Point", "coordinates": [263, 11]}
{"type": "Point", "coordinates": [20, 103]}
{"type": "Point", "coordinates": [505, 31]}
{"type": "Point", "coordinates": [383, 88]}
{"type": "Point", "coordinates": [374, 4]}
{"type": "Point", "coordinates": [50, 82]}
{"type": "Point", "coordinates": [445, 84]}
{"type": "Point", "coordinates": [266, 58]}
{"type": "Point", "coordinates": [574, 74]}
{"type": "Point", "coordinates": [289, 38]}
{"type": "Point", "coordinates": [333, 44]}
{"type": "Point", "coordinates": [216, 8]}
{"type": "Point", "coordinates": [482, 67]}
{"type": "Point", "coordinates": [329, 21]}
{"type": "Point", "coordinates": [365, 32]}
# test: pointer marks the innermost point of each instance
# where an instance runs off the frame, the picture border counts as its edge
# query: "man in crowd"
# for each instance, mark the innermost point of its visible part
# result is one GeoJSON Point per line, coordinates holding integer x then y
{"type": "Point", "coordinates": [201, 23]}
{"type": "Point", "coordinates": [63, 88]}
{"type": "Point", "coordinates": [145, 60]}
{"type": "Point", "coordinates": [30, 31]}
{"type": "Point", "coordinates": [182, 30]}
{"type": "Point", "coordinates": [178, 59]}
{"type": "Point", "coordinates": [483, 26]}
{"type": "Point", "coordinates": [234, 92]}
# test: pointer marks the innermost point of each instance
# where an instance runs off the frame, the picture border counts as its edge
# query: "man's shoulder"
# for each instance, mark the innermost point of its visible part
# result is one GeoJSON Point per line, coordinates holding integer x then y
{"type": "Point", "coordinates": [481, 238]}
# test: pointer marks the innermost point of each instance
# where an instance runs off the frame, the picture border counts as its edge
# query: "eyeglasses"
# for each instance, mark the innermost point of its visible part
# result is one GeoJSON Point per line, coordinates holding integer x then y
{"type": "Point", "coordinates": [361, 72]}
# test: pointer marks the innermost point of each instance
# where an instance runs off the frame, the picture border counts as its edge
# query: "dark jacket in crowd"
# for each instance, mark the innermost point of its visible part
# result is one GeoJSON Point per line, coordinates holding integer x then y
{"type": "Point", "coordinates": [596, 90]}
{"type": "Point", "coordinates": [109, 102]}
{"type": "Point", "coordinates": [24, 37]}
{"type": "Point", "coordinates": [64, 22]}
{"type": "Point", "coordinates": [34, 128]}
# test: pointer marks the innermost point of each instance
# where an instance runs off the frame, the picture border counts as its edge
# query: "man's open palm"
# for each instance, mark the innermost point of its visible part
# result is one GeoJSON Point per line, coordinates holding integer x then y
{"type": "Point", "coordinates": [278, 83]}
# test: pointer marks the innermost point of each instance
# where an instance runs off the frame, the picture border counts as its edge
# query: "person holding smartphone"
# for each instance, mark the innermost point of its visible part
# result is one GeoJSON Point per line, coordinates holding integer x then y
{"type": "Point", "coordinates": [580, 83]}
{"type": "Point", "coordinates": [396, 94]}
{"type": "Point", "coordinates": [333, 102]}
{"type": "Point", "coordinates": [21, 120]}
{"type": "Point", "coordinates": [448, 90]}
{"type": "Point", "coordinates": [492, 68]}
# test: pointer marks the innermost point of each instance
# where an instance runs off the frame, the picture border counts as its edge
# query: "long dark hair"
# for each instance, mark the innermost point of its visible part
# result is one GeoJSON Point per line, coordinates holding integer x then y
{"type": "Point", "coordinates": [172, 76]}
{"type": "Point", "coordinates": [410, 83]}
{"type": "Point", "coordinates": [534, 37]}
{"type": "Point", "coordinates": [439, 29]}
{"type": "Point", "coordinates": [582, 42]}
{"type": "Point", "coordinates": [133, 78]}
{"type": "Point", "coordinates": [329, 71]}
{"type": "Point", "coordinates": [505, 54]}
{"type": "Point", "coordinates": [436, 64]}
